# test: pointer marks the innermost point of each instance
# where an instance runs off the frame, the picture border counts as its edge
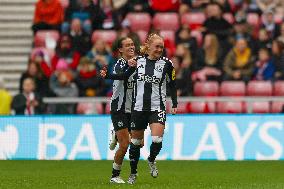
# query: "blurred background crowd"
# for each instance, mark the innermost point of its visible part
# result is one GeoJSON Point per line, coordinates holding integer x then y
{"type": "Point", "coordinates": [211, 41]}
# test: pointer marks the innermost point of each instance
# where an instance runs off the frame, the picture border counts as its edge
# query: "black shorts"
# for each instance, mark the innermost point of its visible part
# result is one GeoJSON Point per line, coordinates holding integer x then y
{"type": "Point", "coordinates": [120, 120]}
{"type": "Point", "coordinates": [141, 119]}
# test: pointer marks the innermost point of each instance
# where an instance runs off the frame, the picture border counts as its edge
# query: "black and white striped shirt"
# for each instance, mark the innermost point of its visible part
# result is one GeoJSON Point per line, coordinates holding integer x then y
{"type": "Point", "coordinates": [151, 79]}
{"type": "Point", "coordinates": [121, 99]}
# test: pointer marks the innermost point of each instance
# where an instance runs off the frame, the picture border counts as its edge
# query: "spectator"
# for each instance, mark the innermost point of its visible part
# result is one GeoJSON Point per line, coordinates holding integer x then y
{"type": "Point", "coordinates": [81, 41]}
{"type": "Point", "coordinates": [269, 24]}
{"type": "Point", "coordinates": [62, 85]}
{"type": "Point", "coordinates": [112, 18]}
{"type": "Point", "coordinates": [265, 5]}
{"type": "Point", "coordinates": [217, 25]}
{"type": "Point", "coordinates": [5, 99]}
{"type": "Point", "coordinates": [137, 6]}
{"type": "Point", "coordinates": [209, 59]}
{"type": "Point", "coordinates": [264, 68]}
{"type": "Point", "coordinates": [238, 64]}
{"type": "Point", "coordinates": [90, 15]}
{"type": "Point", "coordinates": [263, 40]}
{"type": "Point", "coordinates": [198, 4]}
{"type": "Point", "coordinates": [48, 15]}
{"type": "Point", "coordinates": [64, 51]}
{"type": "Point", "coordinates": [182, 63]}
{"type": "Point", "coordinates": [88, 82]}
{"type": "Point", "coordinates": [41, 81]}
{"type": "Point", "coordinates": [281, 36]}
{"type": "Point", "coordinates": [28, 102]}
{"type": "Point", "coordinates": [41, 57]}
{"type": "Point", "coordinates": [278, 59]}
{"type": "Point", "coordinates": [183, 37]}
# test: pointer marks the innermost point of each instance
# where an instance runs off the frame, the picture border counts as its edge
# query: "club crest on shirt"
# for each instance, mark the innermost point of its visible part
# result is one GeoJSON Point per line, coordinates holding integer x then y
{"type": "Point", "coordinates": [159, 67]}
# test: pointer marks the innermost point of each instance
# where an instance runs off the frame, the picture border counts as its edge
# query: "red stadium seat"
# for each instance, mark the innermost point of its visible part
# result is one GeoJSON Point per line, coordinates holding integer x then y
{"type": "Point", "coordinates": [253, 19]}
{"type": "Point", "coordinates": [230, 107]}
{"type": "Point", "coordinates": [278, 88]}
{"type": "Point", "coordinates": [193, 19]}
{"type": "Point", "coordinates": [202, 107]}
{"type": "Point", "coordinates": [277, 107]}
{"type": "Point", "coordinates": [107, 35]}
{"type": "Point", "coordinates": [139, 21]}
{"type": "Point", "coordinates": [142, 35]}
{"type": "Point", "coordinates": [233, 88]}
{"type": "Point", "coordinates": [229, 17]}
{"type": "Point", "coordinates": [259, 88]}
{"type": "Point", "coordinates": [99, 108]}
{"type": "Point", "coordinates": [198, 36]}
{"type": "Point", "coordinates": [168, 35]}
{"type": "Point", "coordinates": [46, 38]}
{"type": "Point", "coordinates": [208, 88]}
{"type": "Point", "coordinates": [166, 21]}
{"type": "Point", "coordinates": [259, 107]}
{"type": "Point", "coordinates": [183, 108]}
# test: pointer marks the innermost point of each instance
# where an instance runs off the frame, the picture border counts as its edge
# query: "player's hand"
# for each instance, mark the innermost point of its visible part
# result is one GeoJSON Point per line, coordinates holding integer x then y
{"type": "Point", "coordinates": [132, 63]}
{"type": "Point", "coordinates": [174, 111]}
{"type": "Point", "coordinates": [103, 72]}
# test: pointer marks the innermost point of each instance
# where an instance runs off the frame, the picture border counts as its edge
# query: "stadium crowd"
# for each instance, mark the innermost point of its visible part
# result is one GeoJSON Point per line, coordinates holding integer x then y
{"type": "Point", "coordinates": [207, 40]}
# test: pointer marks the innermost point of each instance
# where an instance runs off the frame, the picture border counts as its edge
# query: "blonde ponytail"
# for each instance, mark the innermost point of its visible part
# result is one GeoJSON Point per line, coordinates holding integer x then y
{"type": "Point", "coordinates": [144, 48]}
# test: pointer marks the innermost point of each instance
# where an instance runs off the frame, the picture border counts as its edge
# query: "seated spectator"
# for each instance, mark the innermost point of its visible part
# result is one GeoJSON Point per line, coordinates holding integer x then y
{"type": "Point", "coordinates": [5, 99]}
{"type": "Point", "coordinates": [64, 51]}
{"type": "Point", "coordinates": [88, 81]}
{"type": "Point", "coordinates": [81, 41]}
{"type": "Point", "coordinates": [100, 55]}
{"type": "Point", "coordinates": [28, 102]}
{"type": "Point", "coordinates": [216, 24]}
{"type": "Point", "coordinates": [41, 81]}
{"type": "Point", "coordinates": [238, 64]}
{"type": "Point", "coordinates": [62, 85]}
{"type": "Point", "coordinates": [264, 41]}
{"type": "Point", "coordinates": [90, 15]}
{"type": "Point", "coordinates": [277, 6]}
{"type": "Point", "coordinates": [182, 64]}
{"type": "Point", "coordinates": [243, 30]}
{"type": "Point", "coordinates": [209, 59]}
{"type": "Point", "coordinates": [270, 26]}
{"type": "Point", "coordinates": [278, 59]}
{"type": "Point", "coordinates": [41, 57]}
{"type": "Point", "coordinates": [137, 6]}
{"type": "Point", "coordinates": [264, 68]}
{"type": "Point", "coordinates": [48, 15]}
{"type": "Point", "coordinates": [112, 18]}
{"type": "Point", "coordinates": [281, 36]}
{"type": "Point", "coordinates": [183, 37]}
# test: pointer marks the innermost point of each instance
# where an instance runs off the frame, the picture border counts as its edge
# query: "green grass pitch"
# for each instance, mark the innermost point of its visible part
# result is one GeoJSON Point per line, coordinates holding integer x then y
{"type": "Point", "coordinates": [172, 174]}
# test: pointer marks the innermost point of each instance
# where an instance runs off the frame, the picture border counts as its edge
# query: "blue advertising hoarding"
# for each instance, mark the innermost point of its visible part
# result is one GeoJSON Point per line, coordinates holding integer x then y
{"type": "Point", "coordinates": [187, 137]}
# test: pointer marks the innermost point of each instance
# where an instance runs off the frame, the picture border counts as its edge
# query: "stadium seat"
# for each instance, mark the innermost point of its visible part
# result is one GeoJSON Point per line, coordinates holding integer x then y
{"type": "Point", "coordinates": [183, 108]}
{"type": "Point", "coordinates": [202, 107]}
{"type": "Point", "coordinates": [107, 35]}
{"type": "Point", "coordinates": [208, 88]}
{"type": "Point", "coordinates": [259, 88]}
{"type": "Point", "coordinates": [233, 88]}
{"type": "Point", "coordinates": [277, 107]}
{"type": "Point", "coordinates": [142, 35]}
{"type": "Point", "coordinates": [253, 19]}
{"type": "Point", "coordinates": [259, 107]}
{"type": "Point", "coordinates": [168, 35]}
{"type": "Point", "coordinates": [166, 21]}
{"type": "Point", "coordinates": [139, 21]}
{"type": "Point", "coordinates": [99, 108]}
{"type": "Point", "coordinates": [229, 17]}
{"type": "Point", "coordinates": [230, 107]}
{"type": "Point", "coordinates": [278, 88]}
{"type": "Point", "coordinates": [198, 36]}
{"type": "Point", "coordinates": [46, 38]}
{"type": "Point", "coordinates": [193, 19]}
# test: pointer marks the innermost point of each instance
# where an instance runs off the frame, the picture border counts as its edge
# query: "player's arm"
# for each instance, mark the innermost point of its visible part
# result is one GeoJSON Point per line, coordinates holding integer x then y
{"type": "Point", "coordinates": [120, 72]}
{"type": "Point", "coordinates": [172, 86]}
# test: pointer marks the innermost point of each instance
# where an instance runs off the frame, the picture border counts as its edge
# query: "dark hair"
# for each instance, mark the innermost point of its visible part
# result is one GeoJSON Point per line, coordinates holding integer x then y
{"type": "Point", "coordinates": [119, 42]}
